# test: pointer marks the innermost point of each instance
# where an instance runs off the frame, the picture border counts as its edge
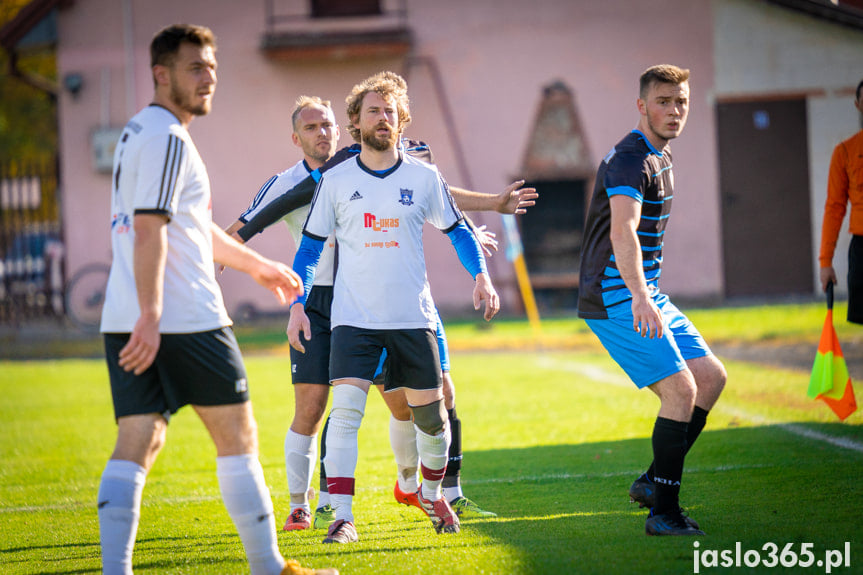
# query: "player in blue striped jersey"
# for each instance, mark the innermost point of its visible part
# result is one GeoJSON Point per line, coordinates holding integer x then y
{"type": "Point", "coordinates": [619, 297]}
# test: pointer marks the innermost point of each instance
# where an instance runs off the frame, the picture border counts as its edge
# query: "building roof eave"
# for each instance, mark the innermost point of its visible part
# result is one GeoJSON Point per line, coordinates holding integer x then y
{"type": "Point", "coordinates": [825, 10]}
{"type": "Point", "coordinates": [26, 19]}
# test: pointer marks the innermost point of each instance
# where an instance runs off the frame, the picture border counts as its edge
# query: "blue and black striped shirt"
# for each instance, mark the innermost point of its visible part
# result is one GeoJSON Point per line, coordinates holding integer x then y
{"type": "Point", "coordinates": [633, 168]}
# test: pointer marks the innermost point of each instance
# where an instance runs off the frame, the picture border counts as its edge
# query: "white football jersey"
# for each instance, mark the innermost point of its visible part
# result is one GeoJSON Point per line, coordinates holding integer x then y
{"type": "Point", "coordinates": [276, 187]}
{"type": "Point", "coordinates": [157, 170]}
{"type": "Point", "coordinates": [378, 219]}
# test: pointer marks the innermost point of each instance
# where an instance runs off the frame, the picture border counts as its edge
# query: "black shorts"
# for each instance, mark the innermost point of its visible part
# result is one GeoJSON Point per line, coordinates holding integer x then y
{"type": "Point", "coordinates": [314, 365]}
{"type": "Point", "coordinates": [203, 368]}
{"type": "Point", "coordinates": [855, 280]}
{"type": "Point", "coordinates": [412, 355]}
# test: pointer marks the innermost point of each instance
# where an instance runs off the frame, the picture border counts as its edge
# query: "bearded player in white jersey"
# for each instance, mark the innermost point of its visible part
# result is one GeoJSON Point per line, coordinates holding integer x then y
{"type": "Point", "coordinates": [287, 196]}
{"type": "Point", "coordinates": [168, 340]}
{"type": "Point", "coordinates": [377, 204]}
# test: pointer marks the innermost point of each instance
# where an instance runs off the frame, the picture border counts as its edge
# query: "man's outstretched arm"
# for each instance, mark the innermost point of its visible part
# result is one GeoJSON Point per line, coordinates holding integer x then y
{"type": "Point", "coordinates": [512, 200]}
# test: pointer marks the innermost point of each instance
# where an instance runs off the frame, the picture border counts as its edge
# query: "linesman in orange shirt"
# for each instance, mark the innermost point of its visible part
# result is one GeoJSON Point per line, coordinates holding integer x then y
{"type": "Point", "coordinates": [845, 184]}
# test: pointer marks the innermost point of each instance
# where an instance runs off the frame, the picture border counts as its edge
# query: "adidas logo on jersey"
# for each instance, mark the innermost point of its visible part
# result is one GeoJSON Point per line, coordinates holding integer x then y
{"type": "Point", "coordinates": [356, 196]}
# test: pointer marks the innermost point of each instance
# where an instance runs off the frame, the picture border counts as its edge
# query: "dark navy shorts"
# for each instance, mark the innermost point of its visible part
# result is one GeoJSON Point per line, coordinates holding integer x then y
{"type": "Point", "coordinates": [413, 359]}
{"type": "Point", "coordinates": [855, 280]}
{"type": "Point", "coordinates": [203, 368]}
{"type": "Point", "coordinates": [314, 365]}
{"type": "Point", "coordinates": [382, 371]}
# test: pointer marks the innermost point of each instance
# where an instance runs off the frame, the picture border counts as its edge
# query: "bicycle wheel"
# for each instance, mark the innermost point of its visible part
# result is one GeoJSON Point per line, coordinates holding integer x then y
{"type": "Point", "coordinates": [85, 296]}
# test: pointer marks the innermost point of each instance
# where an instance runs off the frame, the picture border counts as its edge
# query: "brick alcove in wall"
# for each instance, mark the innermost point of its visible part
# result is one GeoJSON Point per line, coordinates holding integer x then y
{"type": "Point", "coordinates": [557, 162]}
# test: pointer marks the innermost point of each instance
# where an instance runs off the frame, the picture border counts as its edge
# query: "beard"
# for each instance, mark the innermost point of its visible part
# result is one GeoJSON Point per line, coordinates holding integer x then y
{"type": "Point", "coordinates": [379, 143]}
{"type": "Point", "coordinates": [186, 101]}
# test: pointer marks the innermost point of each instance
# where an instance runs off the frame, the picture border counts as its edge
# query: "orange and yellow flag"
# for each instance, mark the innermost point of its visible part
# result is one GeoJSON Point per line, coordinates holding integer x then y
{"type": "Point", "coordinates": [830, 380]}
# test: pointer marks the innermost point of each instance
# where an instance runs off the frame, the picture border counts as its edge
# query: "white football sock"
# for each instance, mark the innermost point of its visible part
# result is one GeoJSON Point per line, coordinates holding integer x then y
{"type": "Point", "coordinates": [434, 454]}
{"type": "Point", "coordinates": [119, 509]}
{"type": "Point", "coordinates": [300, 455]}
{"type": "Point", "coordinates": [403, 440]}
{"type": "Point", "coordinates": [349, 404]}
{"type": "Point", "coordinates": [452, 493]}
{"type": "Point", "coordinates": [247, 499]}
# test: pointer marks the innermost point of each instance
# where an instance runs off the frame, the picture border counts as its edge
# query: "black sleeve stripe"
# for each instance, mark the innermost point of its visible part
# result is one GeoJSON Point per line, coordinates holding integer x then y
{"type": "Point", "coordinates": [175, 172]}
{"type": "Point", "coordinates": [154, 212]}
{"type": "Point", "coordinates": [263, 192]}
{"type": "Point", "coordinates": [314, 237]}
{"type": "Point", "coordinates": [168, 155]}
{"type": "Point", "coordinates": [170, 171]}
{"type": "Point", "coordinates": [449, 198]}
{"type": "Point", "coordinates": [259, 197]}
{"type": "Point", "coordinates": [452, 227]}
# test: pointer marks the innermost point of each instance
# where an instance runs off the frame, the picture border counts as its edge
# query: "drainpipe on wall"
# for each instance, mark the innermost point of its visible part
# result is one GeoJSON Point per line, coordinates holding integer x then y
{"type": "Point", "coordinates": [430, 63]}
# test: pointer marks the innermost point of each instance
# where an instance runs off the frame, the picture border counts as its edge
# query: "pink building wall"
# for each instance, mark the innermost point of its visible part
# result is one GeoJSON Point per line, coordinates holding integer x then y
{"type": "Point", "coordinates": [495, 59]}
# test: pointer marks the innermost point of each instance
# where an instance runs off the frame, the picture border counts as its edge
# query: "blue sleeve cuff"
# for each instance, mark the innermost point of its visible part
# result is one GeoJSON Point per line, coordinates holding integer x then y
{"type": "Point", "coordinates": [305, 262]}
{"type": "Point", "coordinates": [625, 191]}
{"type": "Point", "coordinates": [468, 249]}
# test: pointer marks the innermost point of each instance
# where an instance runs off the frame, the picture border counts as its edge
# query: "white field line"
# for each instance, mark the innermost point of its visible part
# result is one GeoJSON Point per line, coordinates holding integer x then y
{"type": "Point", "coordinates": [629, 473]}
{"type": "Point", "coordinates": [150, 501]}
{"type": "Point", "coordinates": [603, 375]}
{"type": "Point", "coordinates": [596, 374]}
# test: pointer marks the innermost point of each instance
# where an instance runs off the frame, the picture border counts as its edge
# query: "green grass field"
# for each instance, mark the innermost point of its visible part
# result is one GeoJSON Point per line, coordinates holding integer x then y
{"type": "Point", "coordinates": [552, 440]}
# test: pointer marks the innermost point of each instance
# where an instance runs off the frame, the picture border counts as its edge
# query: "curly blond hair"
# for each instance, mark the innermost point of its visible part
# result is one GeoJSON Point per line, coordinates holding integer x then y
{"type": "Point", "coordinates": [386, 84]}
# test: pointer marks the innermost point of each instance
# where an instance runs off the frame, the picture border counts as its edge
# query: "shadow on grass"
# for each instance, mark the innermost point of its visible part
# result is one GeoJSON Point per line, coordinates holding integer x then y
{"type": "Point", "coordinates": [566, 508]}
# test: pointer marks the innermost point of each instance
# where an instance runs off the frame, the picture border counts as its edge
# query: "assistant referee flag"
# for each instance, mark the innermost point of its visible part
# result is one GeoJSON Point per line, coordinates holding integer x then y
{"type": "Point", "coordinates": [830, 380]}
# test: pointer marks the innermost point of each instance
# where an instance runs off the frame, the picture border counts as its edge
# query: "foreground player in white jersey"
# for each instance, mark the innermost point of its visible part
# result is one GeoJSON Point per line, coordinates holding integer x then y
{"type": "Point", "coordinates": [377, 204]}
{"type": "Point", "coordinates": [315, 131]}
{"type": "Point", "coordinates": [168, 340]}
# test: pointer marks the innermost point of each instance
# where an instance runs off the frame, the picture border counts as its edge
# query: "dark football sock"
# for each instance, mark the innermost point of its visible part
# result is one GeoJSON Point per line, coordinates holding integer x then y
{"type": "Point", "coordinates": [323, 484]}
{"type": "Point", "coordinates": [453, 466]}
{"type": "Point", "coordinates": [696, 424]}
{"type": "Point", "coordinates": [669, 451]}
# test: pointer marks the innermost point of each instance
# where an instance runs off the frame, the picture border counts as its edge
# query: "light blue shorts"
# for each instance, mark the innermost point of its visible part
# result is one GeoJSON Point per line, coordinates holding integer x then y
{"type": "Point", "coordinates": [648, 360]}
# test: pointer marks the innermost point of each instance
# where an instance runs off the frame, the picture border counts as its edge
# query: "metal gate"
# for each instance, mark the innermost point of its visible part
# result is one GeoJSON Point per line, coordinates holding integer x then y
{"type": "Point", "coordinates": [31, 242]}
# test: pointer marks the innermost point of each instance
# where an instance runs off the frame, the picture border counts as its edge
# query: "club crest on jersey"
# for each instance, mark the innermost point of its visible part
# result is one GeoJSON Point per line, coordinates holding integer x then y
{"type": "Point", "coordinates": [407, 197]}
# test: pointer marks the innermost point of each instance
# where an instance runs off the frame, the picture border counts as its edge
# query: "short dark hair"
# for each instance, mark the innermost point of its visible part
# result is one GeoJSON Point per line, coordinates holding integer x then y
{"type": "Point", "coordinates": [661, 74]}
{"type": "Point", "coordinates": [859, 87]}
{"type": "Point", "coordinates": [166, 43]}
